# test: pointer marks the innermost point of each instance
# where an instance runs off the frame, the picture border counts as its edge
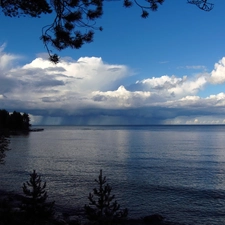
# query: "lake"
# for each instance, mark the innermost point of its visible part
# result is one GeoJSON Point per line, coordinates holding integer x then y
{"type": "Point", "coordinates": [176, 171]}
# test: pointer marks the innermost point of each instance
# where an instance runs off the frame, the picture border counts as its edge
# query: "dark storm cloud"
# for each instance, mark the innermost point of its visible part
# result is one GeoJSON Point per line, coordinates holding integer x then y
{"type": "Point", "coordinates": [115, 69]}
{"type": "Point", "coordinates": [6, 85]}
{"type": "Point", "coordinates": [50, 99]}
{"type": "Point", "coordinates": [132, 116]}
{"type": "Point", "coordinates": [34, 78]}
{"type": "Point", "coordinates": [56, 69]}
{"type": "Point", "coordinates": [99, 98]}
{"type": "Point", "coordinates": [49, 83]}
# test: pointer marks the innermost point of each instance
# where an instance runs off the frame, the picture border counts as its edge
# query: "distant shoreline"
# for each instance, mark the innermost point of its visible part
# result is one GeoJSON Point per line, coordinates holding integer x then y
{"type": "Point", "coordinates": [36, 129]}
{"type": "Point", "coordinates": [129, 125]}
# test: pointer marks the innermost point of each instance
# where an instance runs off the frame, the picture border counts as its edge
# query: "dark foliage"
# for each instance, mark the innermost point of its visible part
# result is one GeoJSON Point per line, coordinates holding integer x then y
{"type": "Point", "coordinates": [17, 8]}
{"type": "Point", "coordinates": [67, 28]}
{"type": "Point", "coordinates": [4, 145]}
{"type": "Point", "coordinates": [10, 123]}
{"type": "Point", "coordinates": [202, 4]}
{"type": "Point", "coordinates": [75, 20]}
{"type": "Point", "coordinates": [4, 119]}
{"type": "Point", "coordinates": [6, 212]}
{"type": "Point", "coordinates": [35, 204]}
{"type": "Point", "coordinates": [14, 121]}
{"type": "Point", "coordinates": [102, 208]}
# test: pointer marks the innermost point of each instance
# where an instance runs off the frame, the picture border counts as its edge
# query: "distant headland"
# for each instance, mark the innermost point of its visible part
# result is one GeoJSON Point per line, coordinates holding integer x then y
{"type": "Point", "coordinates": [14, 123]}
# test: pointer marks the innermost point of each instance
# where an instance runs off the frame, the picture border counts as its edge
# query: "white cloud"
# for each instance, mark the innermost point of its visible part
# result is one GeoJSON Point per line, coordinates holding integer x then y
{"type": "Point", "coordinates": [41, 84]}
{"type": "Point", "coordinates": [196, 67]}
{"type": "Point", "coordinates": [193, 120]}
{"type": "Point", "coordinates": [193, 67]}
{"type": "Point", "coordinates": [89, 87]}
{"type": "Point", "coordinates": [190, 98]}
{"type": "Point", "coordinates": [88, 74]}
{"type": "Point", "coordinates": [6, 59]}
{"type": "Point", "coordinates": [174, 86]}
{"type": "Point", "coordinates": [121, 97]}
{"type": "Point", "coordinates": [208, 103]}
{"type": "Point", "coordinates": [218, 74]}
{"type": "Point", "coordinates": [218, 100]}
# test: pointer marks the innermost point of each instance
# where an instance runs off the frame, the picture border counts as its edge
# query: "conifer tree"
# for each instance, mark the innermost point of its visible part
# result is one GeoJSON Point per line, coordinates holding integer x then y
{"type": "Point", "coordinates": [102, 208]}
{"type": "Point", "coordinates": [4, 145]}
{"type": "Point", "coordinates": [34, 203]}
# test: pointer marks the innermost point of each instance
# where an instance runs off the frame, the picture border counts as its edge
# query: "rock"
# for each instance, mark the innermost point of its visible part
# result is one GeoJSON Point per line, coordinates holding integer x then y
{"type": "Point", "coordinates": [154, 219]}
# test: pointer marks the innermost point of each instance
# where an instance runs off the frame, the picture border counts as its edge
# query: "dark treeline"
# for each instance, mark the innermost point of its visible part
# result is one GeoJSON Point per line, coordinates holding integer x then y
{"type": "Point", "coordinates": [15, 121]}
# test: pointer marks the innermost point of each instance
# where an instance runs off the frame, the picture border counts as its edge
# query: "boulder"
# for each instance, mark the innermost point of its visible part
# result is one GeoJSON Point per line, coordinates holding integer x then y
{"type": "Point", "coordinates": [154, 219]}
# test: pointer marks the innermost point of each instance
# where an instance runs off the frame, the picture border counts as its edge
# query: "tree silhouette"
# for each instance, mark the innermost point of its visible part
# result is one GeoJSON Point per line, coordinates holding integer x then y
{"type": "Point", "coordinates": [26, 121]}
{"type": "Point", "coordinates": [102, 208]}
{"type": "Point", "coordinates": [202, 4]}
{"type": "Point", "coordinates": [34, 203]}
{"type": "Point", "coordinates": [4, 145]}
{"type": "Point", "coordinates": [75, 20]}
{"type": "Point", "coordinates": [4, 119]}
{"type": "Point", "coordinates": [14, 121]}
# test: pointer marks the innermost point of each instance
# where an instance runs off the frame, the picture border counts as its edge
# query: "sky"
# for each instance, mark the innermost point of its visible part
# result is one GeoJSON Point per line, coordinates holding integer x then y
{"type": "Point", "coordinates": [166, 69]}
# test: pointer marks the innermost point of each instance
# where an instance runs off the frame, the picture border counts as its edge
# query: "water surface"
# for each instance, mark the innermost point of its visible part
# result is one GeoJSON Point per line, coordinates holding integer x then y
{"type": "Point", "coordinates": [177, 171]}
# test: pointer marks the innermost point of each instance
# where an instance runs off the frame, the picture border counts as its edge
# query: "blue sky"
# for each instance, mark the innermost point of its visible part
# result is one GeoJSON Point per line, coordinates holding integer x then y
{"type": "Point", "coordinates": [166, 69]}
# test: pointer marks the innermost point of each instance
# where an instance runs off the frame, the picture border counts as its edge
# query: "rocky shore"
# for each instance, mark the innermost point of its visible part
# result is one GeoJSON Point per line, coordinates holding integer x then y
{"type": "Point", "coordinates": [10, 201]}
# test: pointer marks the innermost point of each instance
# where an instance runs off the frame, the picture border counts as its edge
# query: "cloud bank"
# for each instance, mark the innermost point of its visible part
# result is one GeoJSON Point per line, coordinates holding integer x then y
{"type": "Point", "coordinates": [89, 91]}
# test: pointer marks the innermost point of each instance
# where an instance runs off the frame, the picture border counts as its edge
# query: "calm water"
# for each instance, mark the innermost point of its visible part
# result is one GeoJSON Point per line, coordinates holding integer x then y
{"type": "Point", "coordinates": [177, 171]}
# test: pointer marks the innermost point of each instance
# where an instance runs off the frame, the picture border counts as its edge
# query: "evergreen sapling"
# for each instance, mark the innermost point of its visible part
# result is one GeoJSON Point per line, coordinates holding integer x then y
{"type": "Point", "coordinates": [102, 208]}
{"type": "Point", "coordinates": [34, 203]}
